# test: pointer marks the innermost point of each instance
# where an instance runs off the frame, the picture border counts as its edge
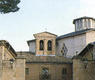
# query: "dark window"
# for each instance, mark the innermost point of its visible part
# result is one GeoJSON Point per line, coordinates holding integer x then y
{"type": "Point", "coordinates": [27, 71]}
{"type": "Point", "coordinates": [49, 45]}
{"type": "Point", "coordinates": [45, 74]}
{"type": "Point", "coordinates": [41, 45]}
{"type": "Point", "coordinates": [64, 71]}
{"type": "Point", "coordinates": [64, 74]}
{"type": "Point", "coordinates": [45, 71]}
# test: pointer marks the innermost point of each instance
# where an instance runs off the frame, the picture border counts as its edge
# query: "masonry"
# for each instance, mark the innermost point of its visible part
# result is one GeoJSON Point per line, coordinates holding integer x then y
{"type": "Point", "coordinates": [51, 57]}
{"type": "Point", "coordinates": [11, 67]}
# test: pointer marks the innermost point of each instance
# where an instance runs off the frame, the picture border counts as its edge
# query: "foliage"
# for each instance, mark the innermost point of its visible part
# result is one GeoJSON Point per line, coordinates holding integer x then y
{"type": "Point", "coordinates": [7, 6]}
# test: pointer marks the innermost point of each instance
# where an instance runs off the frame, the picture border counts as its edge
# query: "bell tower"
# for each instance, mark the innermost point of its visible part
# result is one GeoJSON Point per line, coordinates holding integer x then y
{"type": "Point", "coordinates": [45, 43]}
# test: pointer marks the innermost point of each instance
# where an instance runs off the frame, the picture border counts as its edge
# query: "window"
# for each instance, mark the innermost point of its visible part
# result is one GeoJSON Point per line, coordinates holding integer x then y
{"type": "Point", "coordinates": [64, 50]}
{"type": "Point", "coordinates": [27, 71]}
{"type": "Point", "coordinates": [49, 45]}
{"type": "Point", "coordinates": [64, 71]}
{"type": "Point", "coordinates": [45, 71]}
{"type": "Point", "coordinates": [45, 74]}
{"type": "Point", "coordinates": [41, 45]}
{"type": "Point", "coordinates": [64, 74]}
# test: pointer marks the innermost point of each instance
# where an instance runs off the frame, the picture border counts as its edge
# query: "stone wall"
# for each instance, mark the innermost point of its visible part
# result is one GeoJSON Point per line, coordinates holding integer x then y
{"type": "Point", "coordinates": [82, 70]}
{"type": "Point", "coordinates": [90, 37]}
{"type": "Point", "coordinates": [11, 68]}
{"type": "Point", "coordinates": [55, 71]}
{"type": "Point", "coordinates": [32, 46]}
{"type": "Point", "coordinates": [20, 69]}
{"type": "Point", "coordinates": [55, 64]}
{"type": "Point", "coordinates": [74, 45]}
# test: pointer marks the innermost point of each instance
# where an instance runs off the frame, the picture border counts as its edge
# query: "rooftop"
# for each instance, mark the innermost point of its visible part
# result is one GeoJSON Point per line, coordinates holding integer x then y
{"type": "Point", "coordinates": [85, 17]}
{"type": "Point", "coordinates": [75, 33]}
{"type": "Point", "coordinates": [8, 46]}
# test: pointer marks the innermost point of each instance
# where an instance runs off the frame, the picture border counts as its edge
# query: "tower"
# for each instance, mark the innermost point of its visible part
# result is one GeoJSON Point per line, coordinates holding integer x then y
{"type": "Point", "coordinates": [43, 44]}
{"type": "Point", "coordinates": [84, 23]}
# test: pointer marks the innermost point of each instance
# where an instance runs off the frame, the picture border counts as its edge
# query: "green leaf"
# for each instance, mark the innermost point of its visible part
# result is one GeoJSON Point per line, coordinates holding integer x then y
{"type": "Point", "coordinates": [7, 6]}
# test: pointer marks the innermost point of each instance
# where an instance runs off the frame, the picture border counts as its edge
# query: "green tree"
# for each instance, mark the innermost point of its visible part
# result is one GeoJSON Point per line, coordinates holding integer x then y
{"type": "Point", "coordinates": [7, 6]}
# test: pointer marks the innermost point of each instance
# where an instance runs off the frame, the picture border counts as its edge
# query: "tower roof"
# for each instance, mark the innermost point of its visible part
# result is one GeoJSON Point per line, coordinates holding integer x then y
{"type": "Point", "coordinates": [84, 17]}
{"type": "Point", "coordinates": [47, 33]}
{"type": "Point", "coordinates": [74, 33]}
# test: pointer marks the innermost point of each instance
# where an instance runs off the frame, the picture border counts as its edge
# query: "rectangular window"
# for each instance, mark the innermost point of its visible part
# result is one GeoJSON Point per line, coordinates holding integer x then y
{"type": "Point", "coordinates": [27, 71]}
{"type": "Point", "coordinates": [64, 71]}
{"type": "Point", "coordinates": [64, 74]}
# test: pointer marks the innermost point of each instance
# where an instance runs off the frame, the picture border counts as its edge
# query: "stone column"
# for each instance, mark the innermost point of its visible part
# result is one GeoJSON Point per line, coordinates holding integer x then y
{"type": "Point", "coordinates": [78, 70]}
{"type": "Point", "coordinates": [20, 69]}
{"type": "Point", "coordinates": [45, 47]}
{"type": "Point", "coordinates": [53, 46]}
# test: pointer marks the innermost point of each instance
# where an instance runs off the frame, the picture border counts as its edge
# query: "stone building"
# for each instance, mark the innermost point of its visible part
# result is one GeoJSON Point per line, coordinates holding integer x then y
{"type": "Point", "coordinates": [42, 62]}
{"type": "Point", "coordinates": [11, 66]}
{"type": "Point", "coordinates": [84, 64]}
{"type": "Point", "coordinates": [51, 57]}
{"type": "Point", "coordinates": [51, 54]}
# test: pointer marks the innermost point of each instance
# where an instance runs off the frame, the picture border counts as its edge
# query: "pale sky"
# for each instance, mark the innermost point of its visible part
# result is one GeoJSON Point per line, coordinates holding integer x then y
{"type": "Point", "coordinates": [36, 15]}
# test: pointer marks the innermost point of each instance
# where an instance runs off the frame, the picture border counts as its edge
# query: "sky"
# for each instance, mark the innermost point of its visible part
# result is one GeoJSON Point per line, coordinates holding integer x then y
{"type": "Point", "coordinates": [34, 16]}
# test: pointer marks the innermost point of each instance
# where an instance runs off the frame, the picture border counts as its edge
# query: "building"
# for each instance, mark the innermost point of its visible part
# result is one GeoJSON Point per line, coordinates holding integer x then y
{"type": "Point", "coordinates": [11, 66]}
{"type": "Point", "coordinates": [42, 62]}
{"type": "Point", "coordinates": [52, 57]}
{"type": "Point", "coordinates": [84, 64]}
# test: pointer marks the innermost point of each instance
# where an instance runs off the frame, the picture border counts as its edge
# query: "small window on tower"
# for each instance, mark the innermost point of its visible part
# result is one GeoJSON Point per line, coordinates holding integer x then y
{"type": "Point", "coordinates": [49, 45]}
{"type": "Point", "coordinates": [41, 45]}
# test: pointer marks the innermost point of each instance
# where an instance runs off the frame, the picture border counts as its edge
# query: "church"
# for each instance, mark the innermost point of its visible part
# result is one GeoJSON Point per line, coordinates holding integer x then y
{"type": "Point", "coordinates": [51, 57]}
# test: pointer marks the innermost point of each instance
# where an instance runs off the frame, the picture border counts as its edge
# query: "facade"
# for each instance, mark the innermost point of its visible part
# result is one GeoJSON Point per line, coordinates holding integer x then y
{"type": "Point", "coordinates": [51, 57]}
{"type": "Point", "coordinates": [11, 67]}
{"type": "Point", "coordinates": [84, 64]}
{"type": "Point", "coordinates": [42, 62]}
{"type": "Point", "coordinates": [47, 67]}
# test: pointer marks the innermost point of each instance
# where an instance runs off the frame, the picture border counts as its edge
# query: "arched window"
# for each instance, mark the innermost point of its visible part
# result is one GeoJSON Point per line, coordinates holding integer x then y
{"type": "Point", "coordinates": [49, 45]}
{"type": "Point", "coordinates": [41, 45]}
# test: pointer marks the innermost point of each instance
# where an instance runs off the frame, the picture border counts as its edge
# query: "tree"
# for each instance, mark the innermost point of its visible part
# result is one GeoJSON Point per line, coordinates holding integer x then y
{"type": "Point", "coordinates": [7, 6]}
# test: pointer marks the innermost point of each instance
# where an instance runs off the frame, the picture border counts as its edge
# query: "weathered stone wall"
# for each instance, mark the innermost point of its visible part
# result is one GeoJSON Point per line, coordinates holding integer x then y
{"type": "Point", "coordinates": [8, 70]}
{"type": "Point", "coordinates": [74, 44]}
{"type": "Point", "coordinates": [11, 68]}
{"type": "Point", "coordinates": [82, 70]}
{"type": "Point", "coordinates": [20, 69]}
{"type": "Point", "coordinates": [55, 64]}
{"type": "Point", "coordinates": [13, 71]}
{"type": "Point", "coordinates": [90, 37]}
{"type": "Point", "coordinates": [55, 71]}
{"type": "Point", "coordinates": [32, 46]}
